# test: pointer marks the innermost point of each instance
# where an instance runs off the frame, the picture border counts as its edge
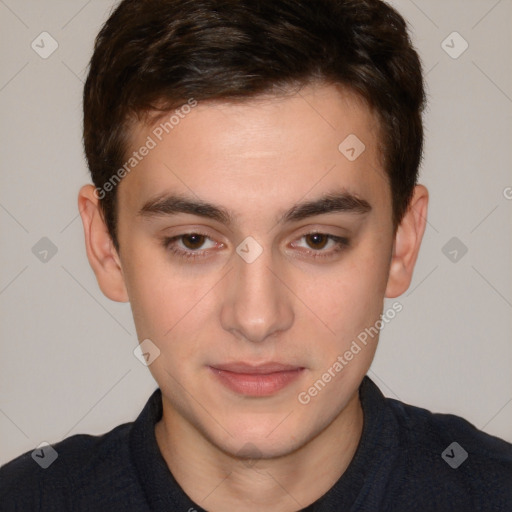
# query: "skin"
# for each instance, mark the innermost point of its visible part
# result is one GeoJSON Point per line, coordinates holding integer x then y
{"type": "Point", "coordinates": [258, 159]}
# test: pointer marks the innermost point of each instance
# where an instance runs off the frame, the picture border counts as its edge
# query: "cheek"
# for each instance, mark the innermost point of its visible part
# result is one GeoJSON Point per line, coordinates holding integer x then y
{"type": "Point", "coordinates": [168, 309]}
{"type": "Point", "coordinates": [166, 298]}
{"type": "Point", "coordinates": [350, 298]}
{"type": "Point", "coordinates": [145, 284]}
{"type": "Point", "coordinates": [155, 290]}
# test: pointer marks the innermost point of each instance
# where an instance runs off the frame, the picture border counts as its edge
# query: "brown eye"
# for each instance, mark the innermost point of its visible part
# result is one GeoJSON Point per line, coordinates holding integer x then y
{"type": "Point", "coordinates": [317, 240]}
{"type": "Point", "coordinates": [193, 241]}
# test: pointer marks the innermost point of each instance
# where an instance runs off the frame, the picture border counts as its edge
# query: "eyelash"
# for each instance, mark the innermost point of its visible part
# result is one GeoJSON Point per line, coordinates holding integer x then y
{"type": "Point", "coordinates": [342, 243]}
{"type": "Point", "coordinates": [169, 244]}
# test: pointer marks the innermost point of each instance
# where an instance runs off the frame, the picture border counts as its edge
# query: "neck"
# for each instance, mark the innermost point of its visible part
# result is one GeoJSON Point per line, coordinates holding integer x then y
{"type": "Point", "coordinates": [217, 481]}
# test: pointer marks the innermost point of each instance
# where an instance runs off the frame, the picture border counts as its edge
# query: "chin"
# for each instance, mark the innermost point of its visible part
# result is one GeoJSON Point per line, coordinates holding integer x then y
{"type": "Point", "coordinates": [263, 444]}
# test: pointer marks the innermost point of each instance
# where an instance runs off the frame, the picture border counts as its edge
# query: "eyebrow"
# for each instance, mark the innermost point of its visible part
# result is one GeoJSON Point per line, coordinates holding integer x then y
{"type": "Point", "coordinates": [329, 203]}
{"type": "Point", "coordinates": [344, 202]}
{"type": "Point", "coordinates": [174, 204]}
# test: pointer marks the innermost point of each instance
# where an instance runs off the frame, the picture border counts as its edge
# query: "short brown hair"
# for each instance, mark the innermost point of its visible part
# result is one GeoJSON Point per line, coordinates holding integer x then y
{"type": "Point", "coordinates": [154, 55]}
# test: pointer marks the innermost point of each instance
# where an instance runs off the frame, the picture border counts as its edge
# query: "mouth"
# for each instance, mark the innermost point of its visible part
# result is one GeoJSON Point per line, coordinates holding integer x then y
{"type": "Point", "coordinates": [256, 380]}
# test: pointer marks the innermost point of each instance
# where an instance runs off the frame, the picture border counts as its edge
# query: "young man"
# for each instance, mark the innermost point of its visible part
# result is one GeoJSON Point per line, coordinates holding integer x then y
{"type": "Point", "coordinates": [255, 199]}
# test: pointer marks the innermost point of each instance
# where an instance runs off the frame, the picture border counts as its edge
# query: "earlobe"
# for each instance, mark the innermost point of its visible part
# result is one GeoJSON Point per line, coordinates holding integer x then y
{"type": "Point", "coordinates": [407, 243]}
{"type": "Point", "coordinates": [101, 252]}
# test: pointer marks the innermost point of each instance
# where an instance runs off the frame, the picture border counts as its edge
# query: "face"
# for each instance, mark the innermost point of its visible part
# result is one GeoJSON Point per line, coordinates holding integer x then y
{"type": "Point", "coordinates": [247, 237]}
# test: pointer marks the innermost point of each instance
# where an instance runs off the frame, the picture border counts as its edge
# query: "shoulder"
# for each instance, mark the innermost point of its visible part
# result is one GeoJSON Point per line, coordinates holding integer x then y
{"type": "Point", "coordinates": [452, 460]}
{"type": "Point", "coordinates": [55, 477]}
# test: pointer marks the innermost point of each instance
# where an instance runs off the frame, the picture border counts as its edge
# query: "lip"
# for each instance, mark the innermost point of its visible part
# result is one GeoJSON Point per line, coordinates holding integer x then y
{"type": "Point", "coordinates": [264, 368]}
{"type": "Point", "coordinates": [256, 380]}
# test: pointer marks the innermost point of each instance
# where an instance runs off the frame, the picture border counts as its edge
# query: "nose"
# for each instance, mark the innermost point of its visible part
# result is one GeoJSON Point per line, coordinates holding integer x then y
{"type": "Point", "coordinates": [257, 305]}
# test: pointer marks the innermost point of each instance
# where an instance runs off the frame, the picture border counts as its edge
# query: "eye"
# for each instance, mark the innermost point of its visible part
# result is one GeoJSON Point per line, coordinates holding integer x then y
{"type": "Point", "coordinates": [193, 241]}
{"type": "Point", "coordinates": [320, 245]}
{"type": "Point", "coordinates": [317, 241]}
{"type": "Point", "coordinates": [190, 245]}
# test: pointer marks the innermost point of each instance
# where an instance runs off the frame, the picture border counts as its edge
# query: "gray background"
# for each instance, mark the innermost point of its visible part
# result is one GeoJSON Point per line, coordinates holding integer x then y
{"type": "Point", "coordinates": [66, 363]}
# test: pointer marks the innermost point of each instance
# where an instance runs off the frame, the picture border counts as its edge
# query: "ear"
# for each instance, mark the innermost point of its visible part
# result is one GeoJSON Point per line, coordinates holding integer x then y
{"type": "Point", "coordinates": [407, 243]}
{"type": "Point", "coordinates": [101, 252]}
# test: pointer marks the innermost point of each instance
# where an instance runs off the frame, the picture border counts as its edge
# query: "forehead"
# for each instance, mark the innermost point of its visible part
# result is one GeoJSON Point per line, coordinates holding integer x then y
{"type": "Point", "coordinates": [261, 154]}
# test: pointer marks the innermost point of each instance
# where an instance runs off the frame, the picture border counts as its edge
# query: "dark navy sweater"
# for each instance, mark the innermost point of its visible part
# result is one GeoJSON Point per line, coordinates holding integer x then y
{"type": "Point", "coordinates": [408, 459]}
